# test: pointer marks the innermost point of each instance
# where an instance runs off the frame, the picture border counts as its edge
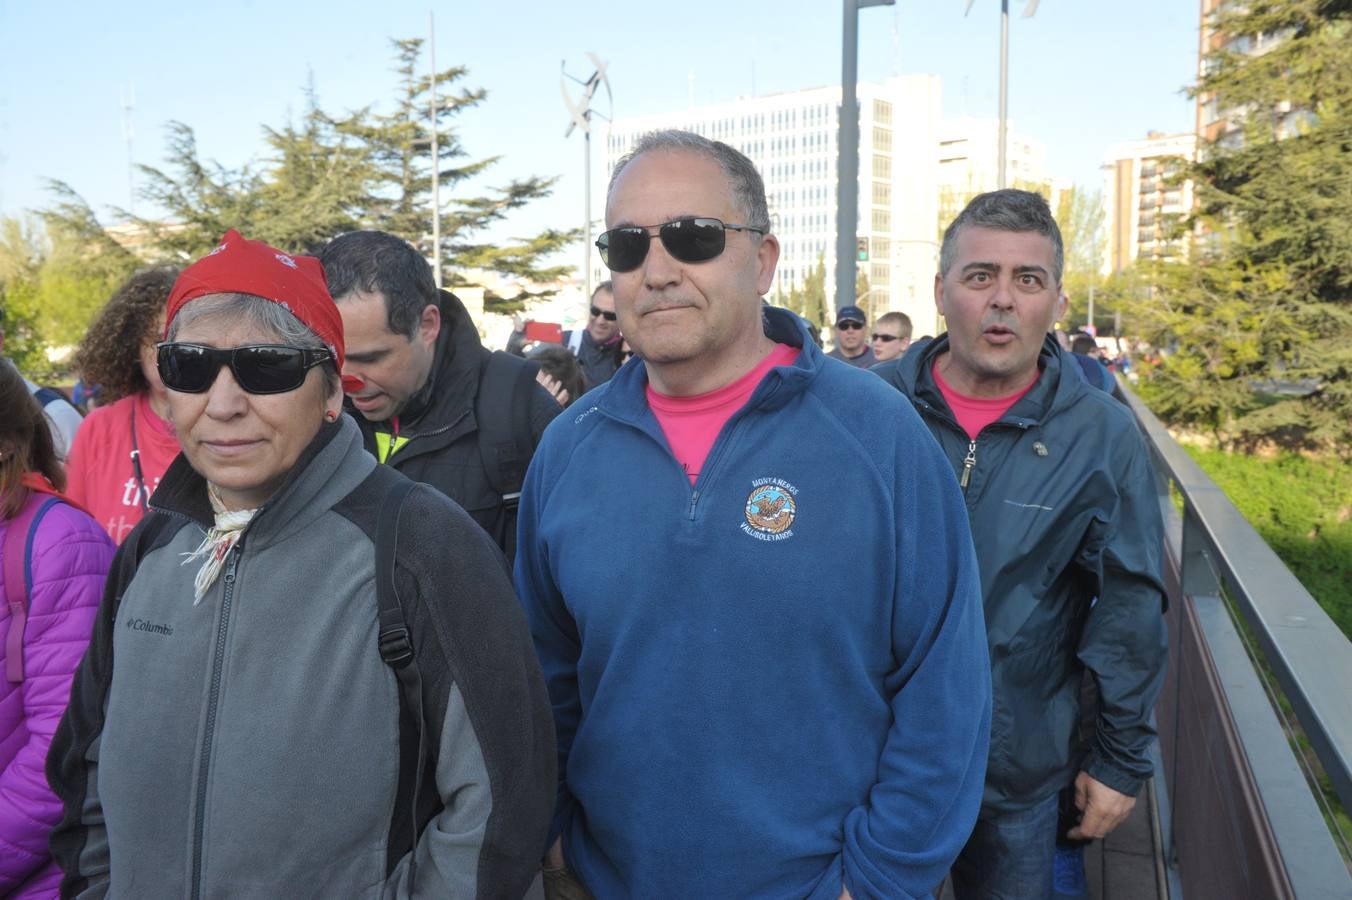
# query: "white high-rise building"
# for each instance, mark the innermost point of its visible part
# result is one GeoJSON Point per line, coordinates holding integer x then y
{"type": "Point", "coordinates": [792, 139]}
{"type": "Point", "coordinates": [969, 156]}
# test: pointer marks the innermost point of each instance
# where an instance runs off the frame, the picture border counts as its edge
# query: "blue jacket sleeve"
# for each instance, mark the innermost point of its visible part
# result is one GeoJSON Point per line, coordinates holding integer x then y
{"type": "Point", "coordinates": [553, 629]}
{"type": "Point", "coordinates": [1125, 639]}
{"type": "Point", "coordinates": [919, 814]}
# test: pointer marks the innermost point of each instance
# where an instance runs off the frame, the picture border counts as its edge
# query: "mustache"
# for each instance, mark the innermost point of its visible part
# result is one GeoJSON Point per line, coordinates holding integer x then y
{"type": "Point", "coordinates": [1007, 323]}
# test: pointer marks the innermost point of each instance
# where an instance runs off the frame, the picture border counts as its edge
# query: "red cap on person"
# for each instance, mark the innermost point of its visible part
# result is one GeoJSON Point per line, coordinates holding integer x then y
{"type": "Point", "coordinates": [241, 266]}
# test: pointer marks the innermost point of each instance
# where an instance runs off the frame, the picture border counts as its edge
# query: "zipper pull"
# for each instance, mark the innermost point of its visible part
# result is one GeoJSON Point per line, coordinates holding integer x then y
{"type": "Point", "coordinates": [967, 465]}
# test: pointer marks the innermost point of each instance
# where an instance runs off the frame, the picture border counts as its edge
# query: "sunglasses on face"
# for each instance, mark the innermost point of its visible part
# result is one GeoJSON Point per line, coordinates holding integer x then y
{"type": "Point", "coordinates": [603, 313]}
{"type": "Point", "coordinates": [258, 368]}
{"type": "Point", "coordinates": [849, 325]}
{"type": "Point", "coordinates": [886, 338]}
{"type": "Point", "coordinates": [689, 240]}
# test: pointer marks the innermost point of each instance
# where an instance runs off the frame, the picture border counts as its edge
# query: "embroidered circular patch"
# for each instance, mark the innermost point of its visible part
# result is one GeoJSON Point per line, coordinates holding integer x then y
{"type": "Point", "coordinates": [770, 509]}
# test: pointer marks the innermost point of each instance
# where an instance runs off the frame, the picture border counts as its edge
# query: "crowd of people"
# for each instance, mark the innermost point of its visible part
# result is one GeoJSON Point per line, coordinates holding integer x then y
{"type": "Point", "coordinates": [328, 598]}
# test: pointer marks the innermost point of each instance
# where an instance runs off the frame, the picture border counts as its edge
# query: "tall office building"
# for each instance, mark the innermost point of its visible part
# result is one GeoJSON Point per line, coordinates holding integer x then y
{"type": "Point", "coordinates": [792, 138]}
{"type": "Point", "coordinates": [969, 164]}
{"type": "Point", "coordinates": [1143, 199]}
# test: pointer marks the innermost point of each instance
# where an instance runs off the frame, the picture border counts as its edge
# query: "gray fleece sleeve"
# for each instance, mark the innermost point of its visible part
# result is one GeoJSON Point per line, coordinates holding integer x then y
{"type": "Point", "coordinates": [448, 848]}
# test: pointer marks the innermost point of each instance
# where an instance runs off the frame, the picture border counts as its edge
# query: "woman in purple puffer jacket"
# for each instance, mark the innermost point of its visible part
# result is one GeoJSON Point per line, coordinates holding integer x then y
{"type": "Point", "coordinates": [43, 631]}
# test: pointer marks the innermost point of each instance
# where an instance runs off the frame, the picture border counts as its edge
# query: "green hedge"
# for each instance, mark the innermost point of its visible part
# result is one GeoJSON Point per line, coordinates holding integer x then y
{"type": "Point", "coordinates": [1303, 508]}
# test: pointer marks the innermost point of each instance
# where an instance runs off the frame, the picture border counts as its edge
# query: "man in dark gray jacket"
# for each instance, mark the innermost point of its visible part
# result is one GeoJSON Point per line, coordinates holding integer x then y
{"type": "Point", "coordinates": [1068, 536]}
{"type": "Point", "coordinates": [434, 403]}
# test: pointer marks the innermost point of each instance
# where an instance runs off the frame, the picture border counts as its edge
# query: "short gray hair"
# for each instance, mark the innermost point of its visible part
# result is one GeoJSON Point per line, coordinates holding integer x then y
{"type": "Point", "coordinates": [748, 189]}
{"type": "Point", "coordinates": [263, 314]}
{"type": "Point", "coordinates": [1009, 209]}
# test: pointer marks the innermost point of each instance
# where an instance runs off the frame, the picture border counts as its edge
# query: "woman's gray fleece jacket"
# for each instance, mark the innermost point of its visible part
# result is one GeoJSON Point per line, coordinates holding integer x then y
{"type": "Point", "coordinates": [249, 745]}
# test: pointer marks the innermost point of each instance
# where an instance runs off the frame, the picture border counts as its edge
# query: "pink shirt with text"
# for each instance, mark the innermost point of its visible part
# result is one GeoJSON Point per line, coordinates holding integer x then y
{"type": "Point", "coordinates": [99, 473]}
{"type": "Point", "coordinates": [691, 424]}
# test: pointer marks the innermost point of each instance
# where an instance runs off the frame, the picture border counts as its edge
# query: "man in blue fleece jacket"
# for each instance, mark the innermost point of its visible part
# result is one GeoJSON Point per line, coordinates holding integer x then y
{"type": "Point", "coordinates": [732, 722]}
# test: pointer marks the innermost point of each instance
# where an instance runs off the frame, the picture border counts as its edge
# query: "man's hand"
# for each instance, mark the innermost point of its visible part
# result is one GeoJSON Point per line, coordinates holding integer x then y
{"type": "Point", "coordinates": [554, 856]}
{"type": "Point", "coordinates": [1103, 808]}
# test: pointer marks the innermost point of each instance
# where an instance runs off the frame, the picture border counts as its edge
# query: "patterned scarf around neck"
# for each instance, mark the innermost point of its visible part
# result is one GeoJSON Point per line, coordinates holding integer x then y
{"type": "Point", "coordinates": [221, 538]}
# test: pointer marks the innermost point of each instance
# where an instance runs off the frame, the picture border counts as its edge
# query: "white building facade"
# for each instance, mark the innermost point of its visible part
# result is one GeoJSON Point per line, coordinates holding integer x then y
{"type": "Point", "coordinates": [792, 139]}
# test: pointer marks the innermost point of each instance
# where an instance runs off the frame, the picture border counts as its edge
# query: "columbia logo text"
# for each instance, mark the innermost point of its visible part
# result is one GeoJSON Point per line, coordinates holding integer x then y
{"type": "Point", "coordinates": [152, 627]}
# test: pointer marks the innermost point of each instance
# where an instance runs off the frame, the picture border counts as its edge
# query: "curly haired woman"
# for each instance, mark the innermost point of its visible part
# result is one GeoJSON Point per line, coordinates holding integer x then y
{"type": "Point", "coordinates": [125, 445]}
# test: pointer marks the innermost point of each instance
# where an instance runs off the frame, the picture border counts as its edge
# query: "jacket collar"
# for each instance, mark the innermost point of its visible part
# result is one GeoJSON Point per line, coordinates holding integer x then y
{"type": "Point", "coordinates": [625, 396]}
{"type": "Point", "coordinates": [913, 373]}
{"type": "Point", "coordinates": [329, 468]}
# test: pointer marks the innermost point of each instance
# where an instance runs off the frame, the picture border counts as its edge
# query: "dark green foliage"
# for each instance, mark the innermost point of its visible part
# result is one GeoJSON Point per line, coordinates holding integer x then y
{"type": "Point", "coordinates": [1257, 327]}
{"type": "Point", "coordinates": [809, 300]}
{"type": "Point", "coordinates": [327, 174]}
{"type": "Point", "coordinates": [1302, 508]}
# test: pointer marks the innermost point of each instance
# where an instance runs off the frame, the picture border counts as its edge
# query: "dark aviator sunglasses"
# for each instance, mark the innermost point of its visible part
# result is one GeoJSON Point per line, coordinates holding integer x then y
{"type": "Point", "coordinates": [258, 368]}
{"type": "Point", "coordinates": [606, 314]}
{"type": "Point", "coordinates": [692, 239]}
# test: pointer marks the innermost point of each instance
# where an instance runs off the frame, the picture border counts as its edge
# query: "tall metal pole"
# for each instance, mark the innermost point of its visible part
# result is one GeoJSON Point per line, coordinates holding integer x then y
{"type": "Point", "coordinates": [847, 152]}
{"type": "Point", "coordinates": [436, 157]}
{"type": "Point", "coordinates": [847, 159]}
{"type": "Point", "coordinates": [1004, 94]}
{"type": "Point", "coordinates": [582, 113]}
{"type": "Point", "coordinates": [586, 207]}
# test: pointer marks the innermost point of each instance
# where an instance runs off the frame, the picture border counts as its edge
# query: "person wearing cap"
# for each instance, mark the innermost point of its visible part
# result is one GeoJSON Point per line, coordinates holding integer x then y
{"type": "Point", "coordinates": [731, 721]}
{"type": "Point", "coordinates": [237, 728]}
{"type": "Point", "coordinates": [851, 341]}
{"type": "Point", "coordinates": [431, 400]}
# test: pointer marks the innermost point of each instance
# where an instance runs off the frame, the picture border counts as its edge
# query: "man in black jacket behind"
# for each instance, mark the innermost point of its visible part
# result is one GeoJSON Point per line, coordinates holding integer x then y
{"type": "Point", "coordinates": [1068, 534]}
{"type": "Point", "coordinates": [435, 403]}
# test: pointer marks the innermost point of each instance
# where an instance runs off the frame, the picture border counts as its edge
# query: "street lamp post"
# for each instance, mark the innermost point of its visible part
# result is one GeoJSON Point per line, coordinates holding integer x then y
{"type": "Point", "coordinates": [847, 162]}
{"type": "Point", "coordinates": [1002, 153]}
{"type": "Point", "coordinates": [581, 115]}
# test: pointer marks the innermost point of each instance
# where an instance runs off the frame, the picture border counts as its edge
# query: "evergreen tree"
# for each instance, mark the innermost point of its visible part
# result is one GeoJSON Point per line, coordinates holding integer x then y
{"type": "Point", "coordinates": [1260, 319]}
{"type": "Point", "coordinates": [324, 175]}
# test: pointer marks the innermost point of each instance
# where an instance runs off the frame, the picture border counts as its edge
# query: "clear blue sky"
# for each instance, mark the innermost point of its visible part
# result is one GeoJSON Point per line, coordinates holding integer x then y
{"type": "Point", "coordinates": [1084, 74]}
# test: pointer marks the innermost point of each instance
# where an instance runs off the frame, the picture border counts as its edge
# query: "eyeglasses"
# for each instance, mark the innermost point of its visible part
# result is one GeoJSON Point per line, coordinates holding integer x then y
{"type": "Point", "coordinates": [849, 325]}
{"type": "Point", "coordinates": [606, 314]}
{"type": "Point", "coordinates": [691, 240]}
{"type": "Point", "coordinates": [886, 338]}
{"type": "Point", "coordinates": [258, 368]}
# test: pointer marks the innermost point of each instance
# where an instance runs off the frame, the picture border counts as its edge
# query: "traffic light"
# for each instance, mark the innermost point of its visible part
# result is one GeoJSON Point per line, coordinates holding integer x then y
{"type": "Point", "coordinates": [861, 249]}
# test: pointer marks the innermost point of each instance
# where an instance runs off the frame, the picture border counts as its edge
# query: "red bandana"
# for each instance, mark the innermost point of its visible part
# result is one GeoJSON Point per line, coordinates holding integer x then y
{"type": "Point", "coordinates": [242, 266]}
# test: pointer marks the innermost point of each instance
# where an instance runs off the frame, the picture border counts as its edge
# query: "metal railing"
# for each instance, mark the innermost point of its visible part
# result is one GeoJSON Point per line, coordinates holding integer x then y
{"type": "Point", "coordinates": [1241, 818]}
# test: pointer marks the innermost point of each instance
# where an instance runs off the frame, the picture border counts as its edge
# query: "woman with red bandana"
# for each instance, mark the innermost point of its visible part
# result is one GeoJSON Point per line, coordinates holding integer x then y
{"type": "Point", "coordinates": [255, 717]}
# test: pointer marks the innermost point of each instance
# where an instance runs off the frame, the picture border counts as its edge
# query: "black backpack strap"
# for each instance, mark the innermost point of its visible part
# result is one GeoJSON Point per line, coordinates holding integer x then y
{"type": "Point", "coordinates": [396, 649]}
{"type": "Point", "coordinates": [506, 441]}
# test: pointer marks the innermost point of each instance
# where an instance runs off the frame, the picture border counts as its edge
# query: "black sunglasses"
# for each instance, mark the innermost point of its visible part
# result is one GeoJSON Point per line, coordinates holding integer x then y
{"type": "Point", "coordinates": [849, 325]}
{"type": "Point", "coordinates": [692, 240]}
{"type": "Point", "coordinates": [258, 368]}
{"type": "Point", "coordinates": [603, 313]}
{"type": "Point", "coordinates": [886, 338]}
